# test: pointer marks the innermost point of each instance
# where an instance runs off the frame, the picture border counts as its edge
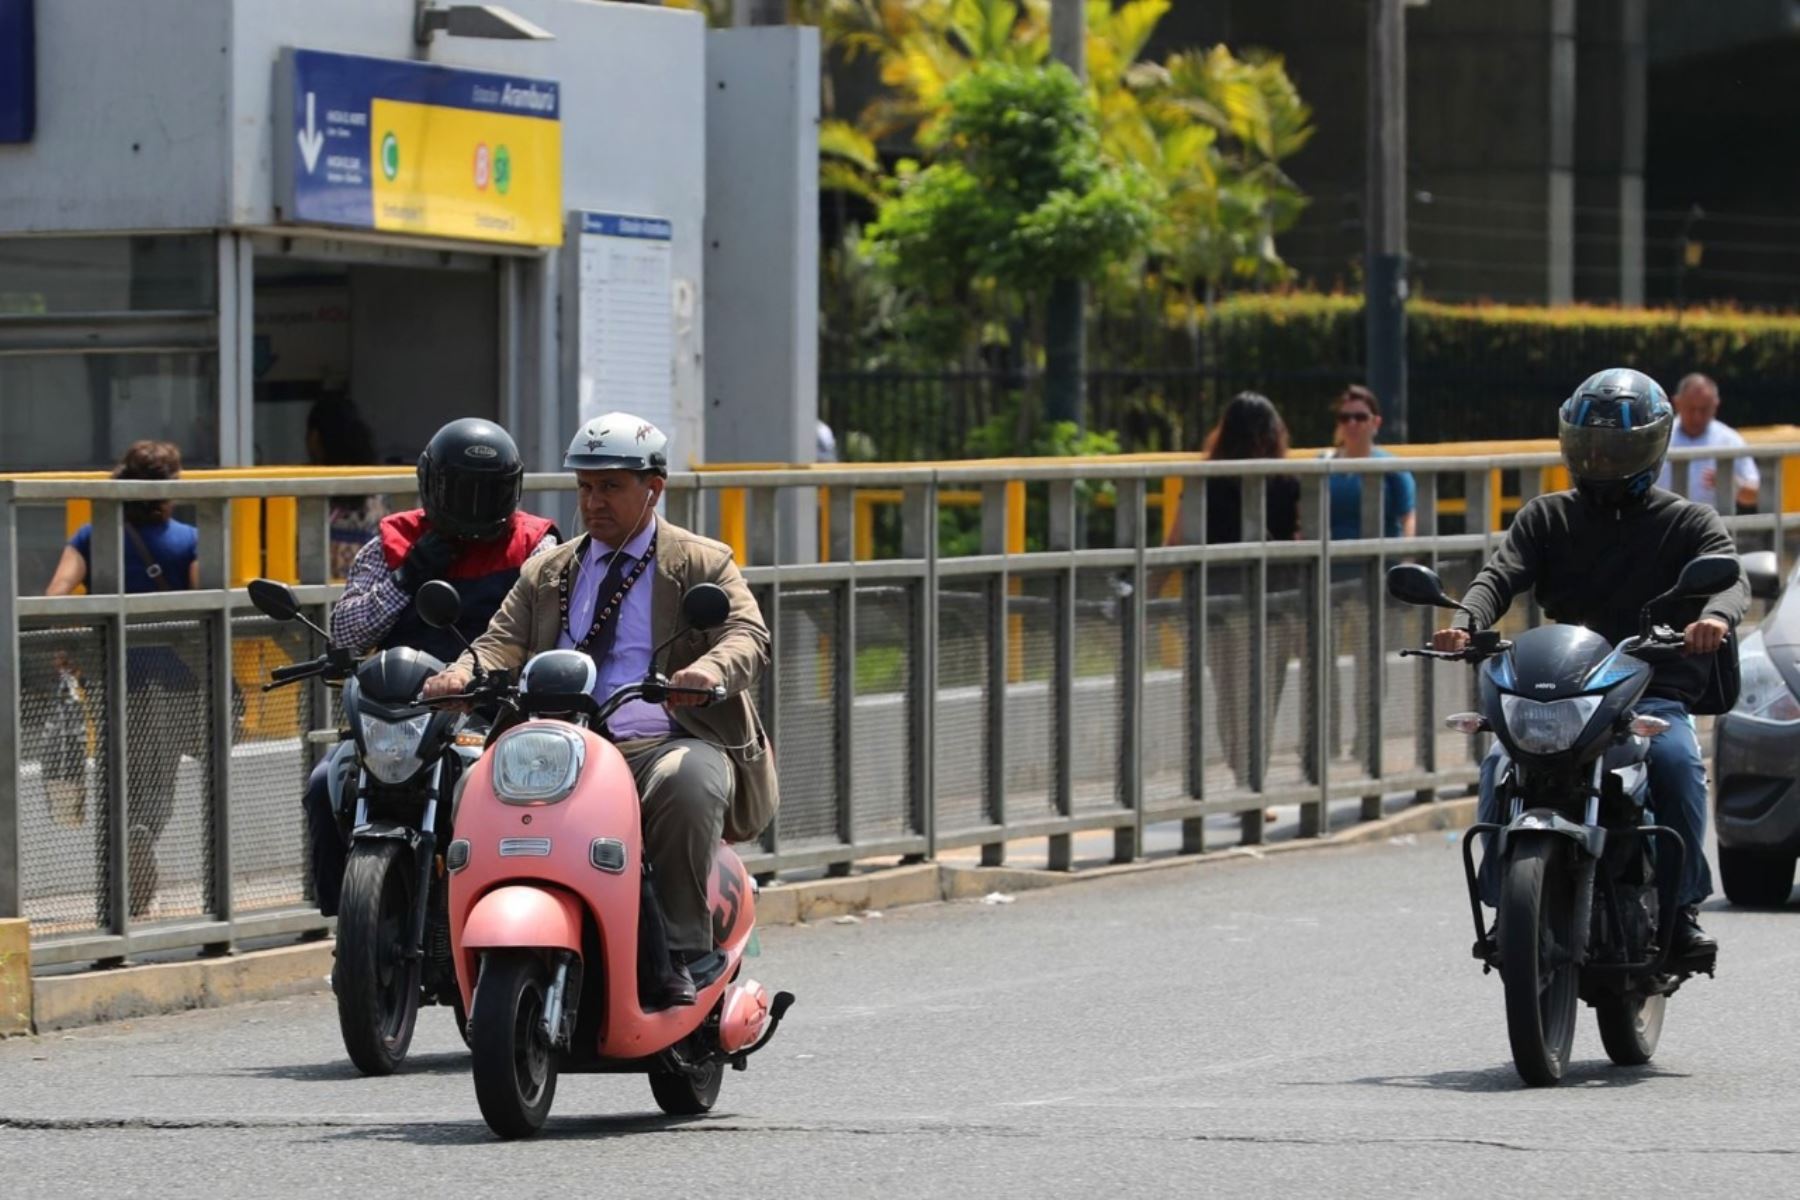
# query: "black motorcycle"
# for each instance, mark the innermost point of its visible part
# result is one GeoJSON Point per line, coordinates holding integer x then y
{"type": "Point", "coordinates": [1587, 906]}
{"type": "Point", "coordinates": [392, 775]}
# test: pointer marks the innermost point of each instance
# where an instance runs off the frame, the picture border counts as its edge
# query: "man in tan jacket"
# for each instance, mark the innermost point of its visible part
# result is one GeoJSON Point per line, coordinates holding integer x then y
{"type": "Point", "coordinates": [615, 595]}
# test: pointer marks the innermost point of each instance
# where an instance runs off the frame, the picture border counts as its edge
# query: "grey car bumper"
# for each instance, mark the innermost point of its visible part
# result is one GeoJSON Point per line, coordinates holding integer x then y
{"type": "Point", "coordinates": [1756, 800]}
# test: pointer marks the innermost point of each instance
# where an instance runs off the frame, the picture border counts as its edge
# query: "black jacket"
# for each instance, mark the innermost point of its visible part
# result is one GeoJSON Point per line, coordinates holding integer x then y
{"type": "Point", "coordinates": [1598, 567]}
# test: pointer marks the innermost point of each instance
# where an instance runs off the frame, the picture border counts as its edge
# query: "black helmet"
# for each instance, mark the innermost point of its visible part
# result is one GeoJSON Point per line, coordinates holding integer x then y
{"type": "Point", "coordinates": [1614, 432]}
{"type": "Point", "coordinates": [470, 479]}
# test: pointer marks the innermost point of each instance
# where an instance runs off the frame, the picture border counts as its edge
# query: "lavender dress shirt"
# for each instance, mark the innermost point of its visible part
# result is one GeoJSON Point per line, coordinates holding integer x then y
{"type": "Point", "coordinates": [629, 660]}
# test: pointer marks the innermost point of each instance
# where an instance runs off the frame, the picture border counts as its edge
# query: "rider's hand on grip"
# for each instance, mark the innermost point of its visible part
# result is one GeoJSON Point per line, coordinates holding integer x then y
{"type": "Point", "coordinates": [1450, 641]}
{"type": "Point", "coordinates": [704, 686]}
{"type": "Point", "coordinates": [449, 682]}
{"type": "Point", "coordinates": [1705, 635]}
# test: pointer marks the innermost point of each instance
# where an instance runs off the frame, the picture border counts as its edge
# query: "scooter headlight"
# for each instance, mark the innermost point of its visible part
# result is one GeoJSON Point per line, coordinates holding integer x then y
{"type": "Point", "coordinates": [1547, 726]}
{"type": "Point", "coordinates": [538, 764]}
{"type": "Point", "coordinates": [391, 748]}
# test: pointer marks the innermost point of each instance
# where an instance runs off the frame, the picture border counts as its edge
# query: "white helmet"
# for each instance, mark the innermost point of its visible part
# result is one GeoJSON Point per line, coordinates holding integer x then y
{"type": "Point", "coordinates": [618, 442]}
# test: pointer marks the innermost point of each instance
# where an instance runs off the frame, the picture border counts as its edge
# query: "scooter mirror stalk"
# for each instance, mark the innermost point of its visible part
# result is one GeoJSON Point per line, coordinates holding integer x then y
{"type": "Point", "coordinates": [278, 602]}
{"type": "Point", "coordinates": [1411, 583]}
{"type": "Point", "coordinates": [440, 606]}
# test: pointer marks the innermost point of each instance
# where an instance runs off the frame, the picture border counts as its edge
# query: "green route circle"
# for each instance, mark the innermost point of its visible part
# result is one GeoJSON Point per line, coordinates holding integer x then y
{"type": "Point", "coordinates": [502, 170]}
{"type": "Point", "coordinates": [390, 155]}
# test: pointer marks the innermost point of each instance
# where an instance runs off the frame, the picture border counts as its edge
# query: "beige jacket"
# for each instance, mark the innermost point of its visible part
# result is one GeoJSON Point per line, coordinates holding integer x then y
{"type": "Point", "coordinates": [530, 621]}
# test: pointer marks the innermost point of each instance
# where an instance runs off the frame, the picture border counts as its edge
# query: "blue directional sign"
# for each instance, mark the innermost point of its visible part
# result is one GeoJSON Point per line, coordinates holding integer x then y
{"type": "Point", "coordinates": [18, 71]}
{"type": "Point", "coordinates": [409, 147]}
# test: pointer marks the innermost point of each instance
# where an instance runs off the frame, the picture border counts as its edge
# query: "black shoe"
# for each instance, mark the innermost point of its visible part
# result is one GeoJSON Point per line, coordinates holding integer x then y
{"type": "Point", "coordinates": [677, 987]}
{"type": "Point", "coordinates": [1691, 941]}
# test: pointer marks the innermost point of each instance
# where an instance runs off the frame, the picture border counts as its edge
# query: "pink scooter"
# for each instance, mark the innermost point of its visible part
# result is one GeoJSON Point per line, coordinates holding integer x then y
{"type": "Point", "coordinates": [552, 918]}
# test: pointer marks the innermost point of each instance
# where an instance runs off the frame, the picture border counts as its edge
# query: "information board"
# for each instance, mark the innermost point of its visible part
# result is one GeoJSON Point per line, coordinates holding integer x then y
{"type": "Point", "coordinates": [625, 317]}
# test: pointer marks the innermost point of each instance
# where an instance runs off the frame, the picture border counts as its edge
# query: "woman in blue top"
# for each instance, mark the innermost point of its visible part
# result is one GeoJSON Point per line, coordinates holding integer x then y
{"type": "Point", "coordinates": [1358, 415]}
{"type": "Point", "coordinates": [164, 707]}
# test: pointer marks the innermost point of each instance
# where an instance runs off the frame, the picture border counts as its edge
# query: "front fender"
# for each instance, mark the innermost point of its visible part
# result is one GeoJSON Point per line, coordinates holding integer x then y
{"type": "Point", "coordinates": [1544, 822]}
{"type": "Point", "coordinates": [521, 916]}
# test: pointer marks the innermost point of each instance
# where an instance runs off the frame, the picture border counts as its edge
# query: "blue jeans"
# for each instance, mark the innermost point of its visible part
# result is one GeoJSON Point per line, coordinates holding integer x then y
{"type": "Point", "coordinates": [1677, 799]}
{"type": "Point", "coordinates": [326, 833]}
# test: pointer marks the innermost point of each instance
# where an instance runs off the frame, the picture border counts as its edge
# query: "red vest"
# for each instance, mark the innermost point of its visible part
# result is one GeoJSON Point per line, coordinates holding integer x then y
{"type": "Point", "coordinates": [483, 573]}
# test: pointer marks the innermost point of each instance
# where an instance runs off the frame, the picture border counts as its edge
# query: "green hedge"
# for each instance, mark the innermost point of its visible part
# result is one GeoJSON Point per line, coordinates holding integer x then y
{"type": "Point", "coordinates": [1484, 371]}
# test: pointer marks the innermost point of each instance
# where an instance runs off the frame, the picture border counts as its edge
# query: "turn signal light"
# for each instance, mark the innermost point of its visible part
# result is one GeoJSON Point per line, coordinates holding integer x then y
{"type": "Point", "coordinates": [1649, 726]}
{"type": "Point", "coordinates": [473, 740]}
{"type": "Point", "coordinates": [1466, 722]}
{"type": "Point", "coordinates": [456, 855]}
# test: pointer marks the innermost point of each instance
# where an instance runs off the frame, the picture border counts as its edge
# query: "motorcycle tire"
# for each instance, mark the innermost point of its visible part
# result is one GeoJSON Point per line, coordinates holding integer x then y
{"type": "Point", "coordinates": [377, 985]}
{"type": "Point", "coordinates": [1535, 934]}
{"type": "Point", "coordinates": [683, 1095]}
{"type": "Point", "coordinates": [1630, 1027]}
{"type": "Point", "coordinates": [514, 1064]}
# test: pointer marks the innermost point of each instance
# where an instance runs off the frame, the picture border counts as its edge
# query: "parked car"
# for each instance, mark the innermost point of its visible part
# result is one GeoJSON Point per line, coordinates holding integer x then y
{"type": "Point", "coordinates": [1756, 751]}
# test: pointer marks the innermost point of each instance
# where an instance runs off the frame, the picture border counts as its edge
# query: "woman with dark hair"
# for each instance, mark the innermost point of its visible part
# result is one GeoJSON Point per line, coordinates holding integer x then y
{"type": "Point", "coordinates": [336, 436]}
{"type": "Point", "coordinates": [161, 553]}
{"type": "Point", "coordinates": [1250, 428]}
{"type": "Point", "coordinates": [164, 708]}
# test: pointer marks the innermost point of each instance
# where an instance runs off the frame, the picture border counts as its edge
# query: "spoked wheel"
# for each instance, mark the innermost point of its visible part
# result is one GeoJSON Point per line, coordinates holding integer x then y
{"type": "Point", "coordinates": [1536, 900]}
{"type": "Point", "coordinates": [377, 984]}
{"type": "Point", "coordinates": [515, 1066]}
{"type": "Point", "coordinates": [1630, 1026]}
{"type": "Point", "coordinates": [682, 1095]}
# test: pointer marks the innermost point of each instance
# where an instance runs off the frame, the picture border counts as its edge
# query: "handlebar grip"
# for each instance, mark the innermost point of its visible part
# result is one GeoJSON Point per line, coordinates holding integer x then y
{"type": "Point", "coordinates": [295, 671]}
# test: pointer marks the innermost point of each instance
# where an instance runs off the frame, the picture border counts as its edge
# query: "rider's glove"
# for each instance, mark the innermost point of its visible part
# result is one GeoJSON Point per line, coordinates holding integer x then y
{"type": "Point", "coordinates": [428, 559]}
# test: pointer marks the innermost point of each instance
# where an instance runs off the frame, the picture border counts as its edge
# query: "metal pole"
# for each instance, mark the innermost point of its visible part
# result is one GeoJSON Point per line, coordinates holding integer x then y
{"type": "Point", "coordinates": [1065, 332]}
{"type": "Point", "coordinates": [1384, 274]}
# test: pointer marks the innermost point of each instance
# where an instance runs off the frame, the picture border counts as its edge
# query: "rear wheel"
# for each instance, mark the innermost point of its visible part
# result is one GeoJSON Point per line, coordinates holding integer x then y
{"type": "Point", "coordinates": [1630, 1027]}
{"type": "Point", "coordinates": [682, 1095]}
{"type": "Point", "coordinates": [1756, 880]}
{"type": "Point", "coordinates": [514, 1065]}
{"type": "Point", "coordinates": [377, 984]}
{"type": "Point", "coordinates": [1535, 963]}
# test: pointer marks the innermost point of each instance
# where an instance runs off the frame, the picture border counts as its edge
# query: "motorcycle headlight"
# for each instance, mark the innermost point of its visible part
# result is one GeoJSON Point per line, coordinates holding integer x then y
{"type": "Point", "coordinates": [1765, 693]}
{"type": "Point", "coordinates": [1547, 726]}
{"type": "Point", "coordinates": [391, 748]}
{"type": "Point", "coordinates": [538, 764]}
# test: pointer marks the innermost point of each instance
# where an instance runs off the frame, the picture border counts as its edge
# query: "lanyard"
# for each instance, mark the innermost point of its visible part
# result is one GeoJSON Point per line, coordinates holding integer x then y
{"type": "Point", "coordinates": [601, 615]}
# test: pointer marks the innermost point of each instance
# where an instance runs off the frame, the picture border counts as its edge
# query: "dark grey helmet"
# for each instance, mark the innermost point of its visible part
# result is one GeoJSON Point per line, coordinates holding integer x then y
{"type": "Point", "coordinates": [471, 479]}
{"type": "Point", "coordinates": [1614, 431]}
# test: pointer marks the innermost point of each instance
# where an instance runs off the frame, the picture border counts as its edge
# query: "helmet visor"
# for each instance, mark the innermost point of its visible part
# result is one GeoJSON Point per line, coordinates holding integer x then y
{"type": "Point", "coordinates": [1601, 452]}
{"type": "Point", "coordinates": [469, 504]}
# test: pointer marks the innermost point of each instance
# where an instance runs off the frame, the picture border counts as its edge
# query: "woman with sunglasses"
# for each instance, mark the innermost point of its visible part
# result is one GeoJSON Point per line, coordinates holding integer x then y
{"type": "Point", "coordinates": [1358, 415]}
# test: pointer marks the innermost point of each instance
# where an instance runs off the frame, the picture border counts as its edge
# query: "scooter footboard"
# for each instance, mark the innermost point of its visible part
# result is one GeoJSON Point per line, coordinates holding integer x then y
{"type": "Point", "coordinates": [524, 916]}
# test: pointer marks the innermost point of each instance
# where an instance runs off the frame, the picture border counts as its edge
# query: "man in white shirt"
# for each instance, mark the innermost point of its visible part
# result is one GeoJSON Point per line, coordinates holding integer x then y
{"type": "Point", "coordinates": [1696, 406]}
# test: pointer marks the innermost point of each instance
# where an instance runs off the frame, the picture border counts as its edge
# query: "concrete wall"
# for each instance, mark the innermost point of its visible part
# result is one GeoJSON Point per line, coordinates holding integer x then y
{"type": "Point", "coordinates": [133, 115]}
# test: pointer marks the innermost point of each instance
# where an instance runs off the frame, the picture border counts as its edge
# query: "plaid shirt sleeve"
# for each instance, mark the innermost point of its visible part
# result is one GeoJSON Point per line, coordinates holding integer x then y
{"type": "Point", "coordinates": [372, 602]}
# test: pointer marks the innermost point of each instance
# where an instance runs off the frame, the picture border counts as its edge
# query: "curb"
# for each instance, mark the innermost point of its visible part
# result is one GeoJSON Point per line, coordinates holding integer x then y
{"type": "Point", "coordinates": [93, 997]}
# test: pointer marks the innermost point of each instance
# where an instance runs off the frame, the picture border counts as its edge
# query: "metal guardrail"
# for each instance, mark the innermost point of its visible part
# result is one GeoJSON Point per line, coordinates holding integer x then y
{"type": "Point", "coordinates": [918, 703]}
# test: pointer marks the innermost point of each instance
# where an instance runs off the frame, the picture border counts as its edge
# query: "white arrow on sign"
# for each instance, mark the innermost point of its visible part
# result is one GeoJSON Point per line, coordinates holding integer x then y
{"type": "Point", "coordinates": [311, 140]}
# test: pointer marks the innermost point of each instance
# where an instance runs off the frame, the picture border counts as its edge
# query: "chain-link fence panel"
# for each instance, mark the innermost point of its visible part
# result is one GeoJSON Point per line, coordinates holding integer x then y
{"type": "Point", "coordinates": [809, 637]}
{"type": "Point", "coordinates": [961, 720]}
{"type": "Point", "coordinates": [882, 721]}
{"type": "Point", "coordinates": [1227, 700]}
{"type": "Point", "coordinates": [1168, 688]}
{"type": "Point", "coordinates": [1288, 651]}
{"type": "Point", "coordinates": [1034, 611]}
{"type": "Point", "coordinates": [63, 739]}
{"type": "Point", "coordinates": [270, 762]}
{"type": "Point", "coordinates": [1102, 609]}
{"type": "Point", "coordinates": [169, 826]}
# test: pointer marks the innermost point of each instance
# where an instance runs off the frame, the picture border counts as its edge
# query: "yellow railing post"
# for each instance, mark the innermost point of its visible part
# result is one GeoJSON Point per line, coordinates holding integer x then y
{"type": "Point", "coordinates": [281, 531]}
{"type": "Point", "coordinates": [246, 540]}
{"type": "Point", "coordinates": [1015, 544]}
{"type": "Point", "coordinates": [734, 529]}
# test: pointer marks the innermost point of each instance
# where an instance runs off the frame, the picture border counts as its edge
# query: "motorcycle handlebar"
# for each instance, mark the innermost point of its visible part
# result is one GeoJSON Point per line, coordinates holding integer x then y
{"type": "Point", "coordinates": [295, 672]}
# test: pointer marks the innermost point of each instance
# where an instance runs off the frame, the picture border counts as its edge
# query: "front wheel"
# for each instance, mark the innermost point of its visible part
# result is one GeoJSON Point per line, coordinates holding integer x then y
{"type": "Point", "coordinates": [514, 1064]}
{"type": "Point", "coordinates": [683, 1095]}
{"type": "Point", "coordinates": [377, 984]}
{"type": "Point", "coordinates": [1630, 1027]}
{"type": "Point", "coordinates": [1536, 965]}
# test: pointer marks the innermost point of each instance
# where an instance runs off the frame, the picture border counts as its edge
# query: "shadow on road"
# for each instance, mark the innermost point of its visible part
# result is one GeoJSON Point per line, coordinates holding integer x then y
{"type": "Point", "coordinates": [1598, 1074]}
{"type": "Point", "coordinates": [448, 1062]}
{"type": "Point", "coordinates": [458, 1133]}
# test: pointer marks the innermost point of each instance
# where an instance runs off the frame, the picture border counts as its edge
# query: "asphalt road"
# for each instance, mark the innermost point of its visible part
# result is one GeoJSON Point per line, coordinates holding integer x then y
{"type": "Point", "coordinates": [1298, 1025]}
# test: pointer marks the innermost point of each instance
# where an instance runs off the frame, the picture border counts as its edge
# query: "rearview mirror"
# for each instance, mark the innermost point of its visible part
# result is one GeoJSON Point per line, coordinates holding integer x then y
{"type": "Point", "coordinates": [1764, 574]}
{"type": "Point", "coordinates": [705, 606]}
{"type": "Point", "coordinates": [275, 600]}
{"type": "Point", "coordinates": [1411, 583]}
{"type": "Point", "coordinates": [439, 604]}
{"type": "Point", "coordinates": [1708, 575]}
